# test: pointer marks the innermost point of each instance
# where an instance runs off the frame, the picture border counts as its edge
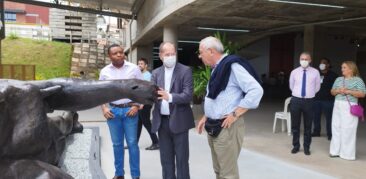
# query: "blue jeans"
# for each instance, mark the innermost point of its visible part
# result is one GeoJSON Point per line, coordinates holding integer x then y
{"type": "Point", "coordinates": [326, 107]}
{"type": "Point", "coordinates": [119, 126]}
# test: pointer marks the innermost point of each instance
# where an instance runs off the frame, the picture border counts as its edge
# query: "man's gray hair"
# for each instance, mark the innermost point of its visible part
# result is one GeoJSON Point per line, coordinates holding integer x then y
{"type": "Point", "coordinates": [213, 43]}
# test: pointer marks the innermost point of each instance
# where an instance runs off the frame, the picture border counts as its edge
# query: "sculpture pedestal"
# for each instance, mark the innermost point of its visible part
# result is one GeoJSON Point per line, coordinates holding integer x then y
{"type": "Point", "coordinates": [81, 158]}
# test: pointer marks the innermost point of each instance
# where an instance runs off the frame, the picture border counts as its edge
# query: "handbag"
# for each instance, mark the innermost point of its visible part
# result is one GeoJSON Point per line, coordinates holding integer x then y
{"type": "Point", "coordinates": [213, 127]}
{"type": "Point", "coordinates": [356, 110]}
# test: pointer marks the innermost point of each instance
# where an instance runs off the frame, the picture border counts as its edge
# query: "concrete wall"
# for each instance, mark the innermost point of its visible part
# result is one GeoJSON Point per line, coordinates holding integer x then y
{"type": "Point", "coordinates": [148, 11]}
{"type": "Point", "coordinates": [142, 52]}
{"type": "Point", "coordinates": [299, 48]}
{"type": "Point", "coordinates": [153, 13]}
{"type": "Point", "coordinates": [335, 48]}
{"type": "Point", "coordinates": [338, 50]}
{"type": "Point", "coordinates": [260, 63]}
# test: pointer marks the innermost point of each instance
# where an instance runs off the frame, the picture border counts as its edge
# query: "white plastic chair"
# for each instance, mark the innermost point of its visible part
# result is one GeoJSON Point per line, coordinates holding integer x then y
{"type": "Point", "coordinates": [284, 116]}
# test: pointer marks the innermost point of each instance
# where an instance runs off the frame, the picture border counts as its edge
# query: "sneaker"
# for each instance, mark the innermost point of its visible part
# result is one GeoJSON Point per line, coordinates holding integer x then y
{"type": "Point", "coordinates": [153, 147]}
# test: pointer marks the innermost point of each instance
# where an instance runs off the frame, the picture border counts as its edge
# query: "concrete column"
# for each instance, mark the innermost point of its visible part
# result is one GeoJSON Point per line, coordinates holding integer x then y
{"type": "Point", "coordinates": [142, 51]}
{"type": "Point", "coordinates": [309, 39]}
{"type": "Point", "coordinates": [314, 42]}
{"type": "Point", "coordinates": [170, 34]}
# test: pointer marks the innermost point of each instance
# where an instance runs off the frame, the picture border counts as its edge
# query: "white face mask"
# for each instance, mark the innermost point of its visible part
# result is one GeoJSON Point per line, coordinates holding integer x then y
{"type": "Point", "coordinates": [304, 63]}
{"type": "Point", "coordinates": [322, 66]}
{"type": "Point", "coordinates": [170, 61]}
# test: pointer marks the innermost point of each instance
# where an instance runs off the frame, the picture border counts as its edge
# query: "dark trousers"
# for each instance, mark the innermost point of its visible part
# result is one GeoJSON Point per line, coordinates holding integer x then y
{"type": "Point", "coordinates": [301, 108]}
{"type": "Point", "coordinates": [144, 119]}
{"type": "Point", "coordinates": [174, 151]}
{"type": "Point", "coordinates": [321, 106]}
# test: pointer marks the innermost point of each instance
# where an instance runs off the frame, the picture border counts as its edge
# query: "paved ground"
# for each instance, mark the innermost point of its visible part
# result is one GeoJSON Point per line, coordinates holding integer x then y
{"type": "Point", "coordinates": [264, 154]}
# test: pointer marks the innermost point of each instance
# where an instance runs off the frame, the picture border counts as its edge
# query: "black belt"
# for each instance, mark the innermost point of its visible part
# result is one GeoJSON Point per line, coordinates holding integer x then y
{"type": "Point", "coordinates": [165, 116]}
{"type": "Point", "coordinates": [222, 120]}
{"type": "Point", "coordinates": [125, 105]}
{"type": "Point", "coordinates": [302, 98]}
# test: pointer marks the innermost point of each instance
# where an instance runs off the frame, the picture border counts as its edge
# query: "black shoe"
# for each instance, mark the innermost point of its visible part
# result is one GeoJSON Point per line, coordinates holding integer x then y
{"type": "Point", "coordinates": [294, 150]}
{"type": "Point", "coordinates": [118, 177]}
{"type": "Point", "coordinates": [333, 156]}
{"type": "Point", "coordinates": [329, 137]}
{"type": "Point", "coordinates": [306, 151]}
{"type": "Point", "coordinates": [153, 147]}
{"type": "Point", "coordinates": [314, 134]}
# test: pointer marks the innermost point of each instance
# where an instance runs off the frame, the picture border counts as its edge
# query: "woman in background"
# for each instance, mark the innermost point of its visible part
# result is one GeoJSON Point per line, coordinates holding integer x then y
{"type": "Point", "coordinates": [346, 89]}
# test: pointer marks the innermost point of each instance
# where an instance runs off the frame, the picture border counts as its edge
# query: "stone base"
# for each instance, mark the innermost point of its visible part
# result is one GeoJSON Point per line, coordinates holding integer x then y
{"type": "Point", "coordinates": [81, 158]}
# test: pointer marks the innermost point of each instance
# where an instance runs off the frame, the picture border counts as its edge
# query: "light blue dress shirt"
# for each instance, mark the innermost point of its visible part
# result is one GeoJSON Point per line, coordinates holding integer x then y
{"type": "Point", "coordinates": [232, 97]}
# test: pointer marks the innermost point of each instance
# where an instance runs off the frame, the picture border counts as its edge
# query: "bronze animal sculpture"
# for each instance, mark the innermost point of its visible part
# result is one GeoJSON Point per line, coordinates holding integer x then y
{"type": "Point", "coordinates": [31, 143]}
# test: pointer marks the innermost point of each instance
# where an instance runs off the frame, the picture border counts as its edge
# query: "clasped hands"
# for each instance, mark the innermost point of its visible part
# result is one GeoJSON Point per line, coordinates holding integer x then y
{"type": "Point", "coordinates": [344, 91]}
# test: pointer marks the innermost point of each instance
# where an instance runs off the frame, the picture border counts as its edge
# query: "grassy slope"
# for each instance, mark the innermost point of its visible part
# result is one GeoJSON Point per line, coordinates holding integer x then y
{"type": "Point", "coordinates": [52, 59]}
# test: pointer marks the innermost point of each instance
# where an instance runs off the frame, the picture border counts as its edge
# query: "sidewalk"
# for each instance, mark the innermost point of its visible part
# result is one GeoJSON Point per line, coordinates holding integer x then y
{"type": "Point", "coordinates": [251, 164]}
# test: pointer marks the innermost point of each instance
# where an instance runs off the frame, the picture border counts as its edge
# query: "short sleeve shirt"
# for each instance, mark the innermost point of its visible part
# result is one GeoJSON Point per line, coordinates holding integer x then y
{"type": "Point", "coordinates": [354, 83]}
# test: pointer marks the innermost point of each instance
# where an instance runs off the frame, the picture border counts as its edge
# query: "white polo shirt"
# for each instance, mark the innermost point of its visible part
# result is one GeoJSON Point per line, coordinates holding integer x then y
{"type": "Point", "coordinates": [127, 71]}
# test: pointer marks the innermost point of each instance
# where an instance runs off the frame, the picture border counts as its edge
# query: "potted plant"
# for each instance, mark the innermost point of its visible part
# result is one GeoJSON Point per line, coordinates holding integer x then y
{"type": "Point", "coordinates": [201, 75]}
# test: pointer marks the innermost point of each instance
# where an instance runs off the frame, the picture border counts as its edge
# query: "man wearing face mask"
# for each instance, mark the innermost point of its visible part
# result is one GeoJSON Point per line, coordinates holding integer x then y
{"type": "Point", "coordinates": [172, 114]}
{"type": "Point", "coordinates": [324, 100]}
{"type": "Point", "coordinates": [304, 84]}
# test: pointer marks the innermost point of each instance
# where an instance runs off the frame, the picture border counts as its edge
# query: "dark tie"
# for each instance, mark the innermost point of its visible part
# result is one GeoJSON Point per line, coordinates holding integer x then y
{"type": "Point", "coordinates": [303, 87]}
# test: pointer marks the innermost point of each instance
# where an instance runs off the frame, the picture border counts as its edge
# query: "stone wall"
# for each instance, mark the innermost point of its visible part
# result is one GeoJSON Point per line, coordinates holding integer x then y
{"type": "Point", "coordinates": [88, 58]}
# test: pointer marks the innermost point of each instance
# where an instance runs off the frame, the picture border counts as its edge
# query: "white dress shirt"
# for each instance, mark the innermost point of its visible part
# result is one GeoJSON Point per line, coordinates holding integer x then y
{"type": "Point", "coordinates": [127, 71]}
{"type": "Point", "coordinates": [164, 110]}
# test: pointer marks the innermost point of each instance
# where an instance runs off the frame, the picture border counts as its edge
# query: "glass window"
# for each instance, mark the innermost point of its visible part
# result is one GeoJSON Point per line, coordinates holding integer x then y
{"type": "Point", "coordinates": [10, 17]}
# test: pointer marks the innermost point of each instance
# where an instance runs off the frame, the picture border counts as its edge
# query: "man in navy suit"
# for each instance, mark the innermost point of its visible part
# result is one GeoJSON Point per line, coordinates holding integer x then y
{"type": "Point", "coordinates": [172, 114]}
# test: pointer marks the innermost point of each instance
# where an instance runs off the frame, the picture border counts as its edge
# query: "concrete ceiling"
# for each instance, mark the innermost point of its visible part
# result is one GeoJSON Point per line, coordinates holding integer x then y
{"type": "Point", "coordinates": [263, 17]}
{"type": "Point", "coordinates": [117, 8]}
{"type": "Point", "coordinates": [122, 6]}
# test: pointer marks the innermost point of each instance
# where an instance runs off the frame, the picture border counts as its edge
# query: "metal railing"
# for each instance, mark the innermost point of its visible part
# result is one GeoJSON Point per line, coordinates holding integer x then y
{"type": "Point", "coordinates": [28, 31]}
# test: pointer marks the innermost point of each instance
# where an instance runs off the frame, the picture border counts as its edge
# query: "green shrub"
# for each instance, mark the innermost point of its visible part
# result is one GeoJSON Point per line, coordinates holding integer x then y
{"type": "Point", "coordinates": [13, 36]}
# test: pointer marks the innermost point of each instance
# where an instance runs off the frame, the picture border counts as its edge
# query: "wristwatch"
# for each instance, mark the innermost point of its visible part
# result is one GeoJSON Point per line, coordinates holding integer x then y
{"type": "Point", "coordinates": [234, 114]}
